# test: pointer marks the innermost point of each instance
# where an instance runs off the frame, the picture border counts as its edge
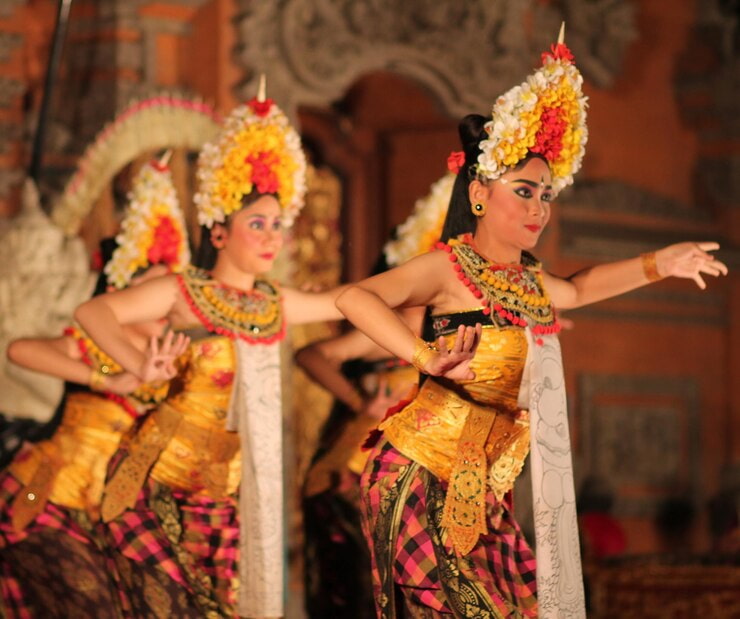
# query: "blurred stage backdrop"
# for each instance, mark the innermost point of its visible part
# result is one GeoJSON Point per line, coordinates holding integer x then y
{"type": "Point", "coordinates": [376, 88]}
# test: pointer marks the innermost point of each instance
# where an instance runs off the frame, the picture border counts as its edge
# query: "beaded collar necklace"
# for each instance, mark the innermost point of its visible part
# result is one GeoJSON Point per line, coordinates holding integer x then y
{"type": "Point", "coordinates": [511, 294]}
{"type": "Point", "coordinates": [254, 316]}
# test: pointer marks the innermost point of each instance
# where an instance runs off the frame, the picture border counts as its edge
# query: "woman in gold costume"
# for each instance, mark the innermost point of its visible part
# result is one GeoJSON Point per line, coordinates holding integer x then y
{"type": "Point", "coordinates": [366, 382]}
{"type": "Point", "coordinates": [437, 487]}
{"type": "Point", "coordinates": [50, 541]}
{"type": "Point", "coordinates": [193, 503]}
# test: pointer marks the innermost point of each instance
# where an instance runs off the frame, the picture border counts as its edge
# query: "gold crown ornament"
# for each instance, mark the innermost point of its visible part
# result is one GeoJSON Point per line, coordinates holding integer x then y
{"type": "Point", "coordinates": [257, 150]}
{"type": "Point", "coordinates": [153, 228]}
{"type": "Point", "coordinates": [422, 229]}
{"type": "Point", "coordinates": [546, 114]}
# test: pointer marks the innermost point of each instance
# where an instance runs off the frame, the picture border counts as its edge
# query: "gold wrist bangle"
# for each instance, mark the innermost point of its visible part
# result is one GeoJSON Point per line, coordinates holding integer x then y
{"type": "Point", "coordinates": [650, 267]}
{"type": "Point", "coordinates": [423, 352]}
{"type": "Point", "coordinates": [97, 380]}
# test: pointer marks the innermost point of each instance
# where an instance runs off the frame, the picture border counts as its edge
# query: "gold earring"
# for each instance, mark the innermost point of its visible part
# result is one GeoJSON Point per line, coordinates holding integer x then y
{"type": "Point", "coordinates": [478, 209]}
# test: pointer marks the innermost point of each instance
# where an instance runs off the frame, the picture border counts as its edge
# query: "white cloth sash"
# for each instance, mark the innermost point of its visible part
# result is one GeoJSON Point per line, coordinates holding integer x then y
{"type": "Point", "coordinates": [255, 411]}
{"type": "Point", "coordinates": [559, 576]}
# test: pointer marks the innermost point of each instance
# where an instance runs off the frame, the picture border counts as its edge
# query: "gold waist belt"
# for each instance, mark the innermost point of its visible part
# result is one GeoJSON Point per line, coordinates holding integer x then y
{"type": "Point", "coordinates": [69, 468]}
{"type": "Point", "coordinates": [464, 443]}
{"type": "Point", "coordinates": [216, 450]}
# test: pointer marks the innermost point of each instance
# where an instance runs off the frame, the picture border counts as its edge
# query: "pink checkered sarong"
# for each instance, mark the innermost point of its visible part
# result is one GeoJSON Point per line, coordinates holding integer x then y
{"type": "Point", "coordinates": [177, 552]}
{"type": "Point", "coordinates": [410, 553]}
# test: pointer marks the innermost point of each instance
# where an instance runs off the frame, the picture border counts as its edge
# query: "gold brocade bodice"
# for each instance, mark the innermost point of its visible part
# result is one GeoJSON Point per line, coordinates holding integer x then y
{"type": "Point", "coordinates": [79, 451]}
{"type": "Point", "coordinates": [432, 427]}
{"type": "Point", "coordinates": [201, 455]}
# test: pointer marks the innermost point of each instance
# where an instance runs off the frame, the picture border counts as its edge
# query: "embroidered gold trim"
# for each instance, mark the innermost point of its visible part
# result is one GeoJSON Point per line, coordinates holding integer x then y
{"type": "Point", "coordinates": [255, 315]}
{"type": "Point", "coordinates": [516, 288]}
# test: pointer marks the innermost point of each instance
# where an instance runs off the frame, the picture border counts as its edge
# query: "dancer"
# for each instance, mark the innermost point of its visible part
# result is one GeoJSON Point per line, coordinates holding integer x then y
{"type": "Point", "coordinates": [50, 495]}
{"type": "Point", "coordinates": [436, 490]}
{"type": "Point", "coordinates": [365, 381]}
{"type": "Point", "coordinates": [180, 488]}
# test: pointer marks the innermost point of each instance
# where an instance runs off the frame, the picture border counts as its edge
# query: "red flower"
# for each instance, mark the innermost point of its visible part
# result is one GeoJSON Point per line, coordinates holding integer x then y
{"type": "Point", "coordinates": [261, 108]}
{"type": "Point", "coordinates": [455, 161]}
{"type": "Point", "coordinates": [222, 378]}
{"type": "Point", "coordinates": [166, 245]}
{"type": "Point", "coordinates": [96, 261]}
{"type": "Point", "coordinates": [558, 51]}
{"type": "Point", "coordinates": [263, 176]}
{"type": "Point", "coordinates": [159, 167]}
{"type": "Point", "coordinates": [549, 139]}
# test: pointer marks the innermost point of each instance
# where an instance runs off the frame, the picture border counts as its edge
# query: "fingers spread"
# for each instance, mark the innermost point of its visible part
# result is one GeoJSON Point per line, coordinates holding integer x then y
{"type": "Point", "coordinates": [699, 281]}
{"type": "Point", "coordinates": [441, 344]}
{"type": "Point", "coordinates": [471, 338]}
{"type": "Point", "coordinates": [708, 246]}
{"type": "Point", "coordinates": [460, 340]}
{"type": "Point", "coordinates": [710, 269]}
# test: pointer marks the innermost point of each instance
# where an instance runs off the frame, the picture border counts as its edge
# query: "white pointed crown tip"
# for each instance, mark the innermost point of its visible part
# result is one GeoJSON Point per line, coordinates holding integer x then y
{"type": "Point", "coordinates": [262, 90]}
{"type": "Point", "coordinates": [561, 36]}
{"type": "Point", "coordinates": [165, 158]}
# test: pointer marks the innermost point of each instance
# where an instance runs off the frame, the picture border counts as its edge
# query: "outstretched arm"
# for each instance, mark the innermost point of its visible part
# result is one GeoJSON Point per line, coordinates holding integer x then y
{"type": "Point", "coordinates": [301, 307]}
{"type": "Point", "coordinates": [685, 260]}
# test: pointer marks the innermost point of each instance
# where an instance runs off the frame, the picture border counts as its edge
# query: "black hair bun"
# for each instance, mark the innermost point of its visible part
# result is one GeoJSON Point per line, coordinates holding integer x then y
{"type": "Point", "coordinates": [472, 132]}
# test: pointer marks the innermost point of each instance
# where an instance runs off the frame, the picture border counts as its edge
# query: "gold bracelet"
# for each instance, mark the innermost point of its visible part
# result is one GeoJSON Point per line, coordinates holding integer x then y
{"type": "Point", "coordinates": [97, 380]}
{"type": "Point", "coordinates": [650, 267]}
{"type": "Point", "coordinates": [423, 352]}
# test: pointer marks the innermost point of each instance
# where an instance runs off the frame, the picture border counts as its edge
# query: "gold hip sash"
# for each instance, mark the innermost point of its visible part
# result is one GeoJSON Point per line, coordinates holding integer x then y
{"type": "Point", "coordinates": [164, 425]}
{"type": "Point", "coordinates": [471, 446]}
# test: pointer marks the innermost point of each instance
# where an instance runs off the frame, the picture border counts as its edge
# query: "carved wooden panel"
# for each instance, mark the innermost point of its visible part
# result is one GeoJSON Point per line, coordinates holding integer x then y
{"type": "Point", "coordinates": [641, 433]}
{"type": "Point", "coordinates": [466, 53]}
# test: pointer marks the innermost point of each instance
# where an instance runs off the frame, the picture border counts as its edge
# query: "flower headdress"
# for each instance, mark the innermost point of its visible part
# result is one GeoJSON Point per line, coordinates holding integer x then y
{"type": "Point", "coordinates": [422, 229]}
{"type": "Point", "coordinates": [153, 228]}
{"type": "Point", "coordinates": [545, 115]}
{"type": "Point", "coordinates": [257, 150]}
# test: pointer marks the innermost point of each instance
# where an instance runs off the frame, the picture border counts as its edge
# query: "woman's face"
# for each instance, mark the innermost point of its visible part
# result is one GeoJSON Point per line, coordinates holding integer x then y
{"type": "Point", "coordinates": [255, 236]}
{"type": "Point", "coordinates": [518, 206]}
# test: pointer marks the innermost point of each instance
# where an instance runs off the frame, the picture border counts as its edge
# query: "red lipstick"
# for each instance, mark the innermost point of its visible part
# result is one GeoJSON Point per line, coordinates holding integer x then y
{"type": "Point", "coordinates": [533, 227]}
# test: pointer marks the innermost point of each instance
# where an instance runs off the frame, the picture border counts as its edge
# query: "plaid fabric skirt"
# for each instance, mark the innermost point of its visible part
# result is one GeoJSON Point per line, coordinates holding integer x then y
{"type": "Point", "coordinates": [56, 566]}
{"type": "Point", "coordinates": [176, 554]}
{"type": "Point", "coordinates": [416, 573]}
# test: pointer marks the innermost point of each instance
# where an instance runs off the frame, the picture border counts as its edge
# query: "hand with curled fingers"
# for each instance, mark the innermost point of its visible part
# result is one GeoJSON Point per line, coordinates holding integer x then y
{"type": "Point", "coordinates": [454, 363]}
{"type": "Point", "coordinates": [160, 357]}
{"type": "Point", "coordinates": [690, 261]}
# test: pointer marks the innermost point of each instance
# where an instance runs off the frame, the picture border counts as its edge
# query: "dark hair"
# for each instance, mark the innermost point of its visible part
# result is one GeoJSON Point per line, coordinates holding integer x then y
{"type": "Point", "coordinates": [205, 257]}
{"type": "Point", "coordinates": [107, 247]}
{"type": "Point", "coordinates": [460, 218]}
